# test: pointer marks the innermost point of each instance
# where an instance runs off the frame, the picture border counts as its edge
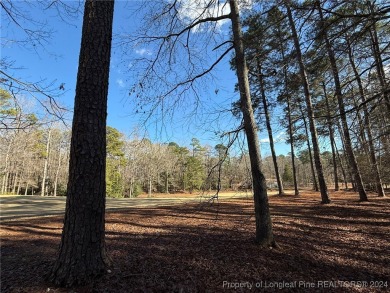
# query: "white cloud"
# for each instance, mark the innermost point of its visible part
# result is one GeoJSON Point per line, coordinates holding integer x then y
{"type": "Point", "coordinates": [279, 137]}
{"type": "Point", "coordinates": [264, 140]}
{"type": "Point", "coordinates": [143, 52]}
{"type": "Point", "coordinates": [191, 10]}
{"type": "Point", "coordinates": [120, 82]}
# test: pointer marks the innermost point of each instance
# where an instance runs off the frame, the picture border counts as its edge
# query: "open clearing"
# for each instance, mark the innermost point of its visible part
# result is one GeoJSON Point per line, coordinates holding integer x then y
{"type": "Point", "coordinates": [19, 206]}
{"type": "Point", "coordinates": [194, 247]}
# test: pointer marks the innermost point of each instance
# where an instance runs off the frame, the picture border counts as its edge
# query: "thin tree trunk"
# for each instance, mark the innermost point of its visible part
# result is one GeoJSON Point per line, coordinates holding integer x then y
{"type": "Point", "coordinates": [290, 123]}
{"type": "Point", "coordinates": [150, 187]}
{"type": "Point", "coordinates": [343, 116]}
{"type": "Point", "coordinates": [348, 169]}
{"type": "Point", "coordinates": [315, 185]}
{"type": "Point", "coordinates": [367, 124]}
{"type": "Point", "coordinates": [43, 186]}
{"type": "Point", "coordinates": [264, 234]}
{"type": "Point", "coordinates": [16, 179]}
{"type": "Point", "coordinates": [166, 182]}
{"type": "Point", "coordinates": [57, 171]}
{"type": "Point", "coordinates": [131, 188]}
{"type": "Point", "coordinates": [310, 112]}
{"type": "Point", "coordinates": [269, 129]}
{"type": "Point", "coordinates": [331, 138]}
{"type": "Point", "coordinates": [3, 184]}
{"type": "Point", "coordinates": [19, 186]}
{"type": "Point", "coordinates": [296, 190]}
{"type": "Point", "coordinates": [341, 167]}
{"type": "Point", "coordinates": [6, 171]}
{"type": "Point", "coordinates": [361, 135]}
{"type": "Point", "coordinates": [6, 182]}
{"type": "Point", "coordinates": [82, 254]}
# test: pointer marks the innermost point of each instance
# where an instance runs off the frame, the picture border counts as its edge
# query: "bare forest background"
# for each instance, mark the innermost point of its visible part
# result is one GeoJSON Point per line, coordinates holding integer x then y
{"type": "Point", "coordinates": [347, 41]}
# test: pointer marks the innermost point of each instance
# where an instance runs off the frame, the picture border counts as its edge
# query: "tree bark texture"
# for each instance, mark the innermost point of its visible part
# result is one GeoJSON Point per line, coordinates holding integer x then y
{"type": "Point", "coordinates": [264, 234]}
{"type": "Point", "coordinates": [82, 254]}
{"type": "Point", "coordinates": [310, 112]}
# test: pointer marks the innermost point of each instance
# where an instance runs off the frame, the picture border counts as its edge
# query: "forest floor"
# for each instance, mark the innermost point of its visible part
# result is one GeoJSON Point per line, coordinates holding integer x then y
{"type": "Point", "coordinates": [340, 247]}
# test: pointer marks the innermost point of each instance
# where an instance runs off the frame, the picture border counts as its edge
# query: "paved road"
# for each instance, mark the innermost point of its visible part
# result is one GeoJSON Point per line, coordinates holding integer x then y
{"type": "Point", "coordinates": [17, 207]}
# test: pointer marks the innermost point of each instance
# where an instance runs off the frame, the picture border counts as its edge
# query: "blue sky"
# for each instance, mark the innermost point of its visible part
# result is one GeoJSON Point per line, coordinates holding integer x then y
{"type": "Point", "coordinates": [57, 61]}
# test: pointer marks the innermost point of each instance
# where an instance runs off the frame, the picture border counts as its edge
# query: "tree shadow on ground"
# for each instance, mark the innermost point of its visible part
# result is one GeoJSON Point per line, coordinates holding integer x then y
{"type": "Point", "coordinates": [191, 249]}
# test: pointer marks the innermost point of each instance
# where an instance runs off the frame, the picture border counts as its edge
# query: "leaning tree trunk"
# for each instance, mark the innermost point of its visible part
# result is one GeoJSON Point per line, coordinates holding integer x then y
{"type": "Point", "coordinates": [269, 129]}
{"type": "Point", "coordinates": [367, 124]}
{"type": "Point", "coordinates": [82, 254]}
{"type": "Point", "coordinates": [264, 234]}
{"type": "Point", "coordinates": [310, 112]}
{"type": "Point", "coordinates": [343, 116]}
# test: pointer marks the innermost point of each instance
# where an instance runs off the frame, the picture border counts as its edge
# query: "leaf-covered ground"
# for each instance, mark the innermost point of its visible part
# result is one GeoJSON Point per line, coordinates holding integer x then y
{"type": "Point", "coordinates": [340, 247]}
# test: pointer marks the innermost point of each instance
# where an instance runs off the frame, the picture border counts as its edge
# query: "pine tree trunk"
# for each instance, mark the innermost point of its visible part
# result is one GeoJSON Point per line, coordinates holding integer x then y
{"type": "Point", "coordinates": [290, 123]}
{"type": "Point", "coordinates": [341, 166]}
{"type": "Point", "coordinates": [269, 129]}
{"type": "Point", "coordinates": [296, 190]}
{"type": "Point", "coordinates": [331, 138]}
{"type": "Point", "coordinates": [343, 116]}
{"type": "Point", "coordinates": [367, 124]}
{"type": "Point", "coordinates": [347, 166]}
{"type": "Point", "coordinates": [313, 173]}
{"type": "Point", "coordinates": [82, 254]}
{"type": "Point", "coordinates": [264, 234]}
{"type": "Point", "coordinates": [310, 112]}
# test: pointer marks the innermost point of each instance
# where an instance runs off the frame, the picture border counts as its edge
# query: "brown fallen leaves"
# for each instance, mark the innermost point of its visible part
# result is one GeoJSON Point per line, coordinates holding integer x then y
{"type": "Point", "coordinates": [210, 248]}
